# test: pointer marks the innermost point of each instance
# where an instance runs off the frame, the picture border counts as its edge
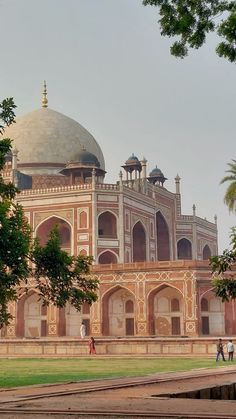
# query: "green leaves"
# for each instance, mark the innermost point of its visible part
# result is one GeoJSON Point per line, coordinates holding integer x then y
{"type": "Point", "coordinates": [225, 288]}
{"type": "Point", "coordinates": [224, 266]}
{"type": "Point", "coordinates": [230, 195]}
{"type": "Point", "coordinates": [7, 115]}
{"type": "Point", "coordinates": [62, 278]}
{"type": "Point", "coordinates": [15, 237]}
{"type": "Point", "coordinates": [192, 20]}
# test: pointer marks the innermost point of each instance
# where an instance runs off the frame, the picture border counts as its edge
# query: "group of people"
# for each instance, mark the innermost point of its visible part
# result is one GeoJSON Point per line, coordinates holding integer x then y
{"type": "Point", "coordinates": [220, 350]}
{"type": "Point", "coordinates": [92, 349]}
{"type": "Point", "coordinates": [219, 346]}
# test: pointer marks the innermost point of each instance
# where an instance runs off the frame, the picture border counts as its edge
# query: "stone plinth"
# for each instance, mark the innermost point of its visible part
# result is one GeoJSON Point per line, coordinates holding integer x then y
{"type": "Point", "coordinates": [143, 346]}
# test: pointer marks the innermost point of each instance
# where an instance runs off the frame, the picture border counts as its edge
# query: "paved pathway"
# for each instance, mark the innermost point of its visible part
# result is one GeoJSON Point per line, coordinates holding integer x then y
{"type": "Point", "coordinates": [111, 397]}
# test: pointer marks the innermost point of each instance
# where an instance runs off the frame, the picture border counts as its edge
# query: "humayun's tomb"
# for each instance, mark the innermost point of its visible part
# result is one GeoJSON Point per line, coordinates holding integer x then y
{"type": "Point", "coordinates": [150, 259]}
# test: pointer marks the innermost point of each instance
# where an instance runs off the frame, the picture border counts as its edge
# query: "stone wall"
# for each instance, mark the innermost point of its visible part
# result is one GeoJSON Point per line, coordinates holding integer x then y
{"type": "Point", "coordinates": [185, 347]}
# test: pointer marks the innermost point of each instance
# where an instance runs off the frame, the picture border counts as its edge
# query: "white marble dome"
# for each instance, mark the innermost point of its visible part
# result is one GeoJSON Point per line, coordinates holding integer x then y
{"type": "Point", "coordinates": [46, 140]}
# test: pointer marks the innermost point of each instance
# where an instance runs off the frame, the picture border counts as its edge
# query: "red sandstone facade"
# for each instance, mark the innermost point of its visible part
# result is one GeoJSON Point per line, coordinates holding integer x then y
{"type": "Point", "coordinates": [150, 259]}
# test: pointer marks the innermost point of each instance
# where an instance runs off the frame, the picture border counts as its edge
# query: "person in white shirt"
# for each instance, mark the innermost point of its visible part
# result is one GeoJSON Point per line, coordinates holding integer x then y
{"type": "Point", "coordinates": [82, 330]}
{"type": "Point", "coordinates": [230, 350]}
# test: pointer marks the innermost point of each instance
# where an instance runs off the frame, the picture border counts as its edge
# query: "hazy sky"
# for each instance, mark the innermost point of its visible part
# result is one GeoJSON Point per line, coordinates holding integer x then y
{"type": "Point", "coordinates": [107, 67]}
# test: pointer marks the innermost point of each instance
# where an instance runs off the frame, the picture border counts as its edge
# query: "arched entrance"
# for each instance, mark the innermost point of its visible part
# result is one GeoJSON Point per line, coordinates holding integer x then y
{"type": "Point", "coordinates": [139, 243]}
{"type": "Point", "coordinates": [163, 241]}
{"type": "Point", "coordinates": [166, 309]}
{"type": "Point", "coordinates": [118, 313]}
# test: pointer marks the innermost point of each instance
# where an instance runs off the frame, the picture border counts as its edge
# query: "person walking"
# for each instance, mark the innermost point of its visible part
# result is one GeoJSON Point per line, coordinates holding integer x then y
{"type": "Point", "coordinates": [230, 350]}
{"type": "Point", "coordinates": [92, 349]}
{"type": "Point", "coordinates": [82, 330]}
{"type": "Point", "coordinates": [220, 350]}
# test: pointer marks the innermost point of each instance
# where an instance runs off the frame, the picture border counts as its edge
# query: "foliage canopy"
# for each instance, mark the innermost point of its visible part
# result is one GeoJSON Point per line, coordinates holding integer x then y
{"type": "Point", "coordinates": [191, 20]}
{"type": "Point", "coordinates": [230, 194]}
{"type": "Point", "coordinates": [225, 265]}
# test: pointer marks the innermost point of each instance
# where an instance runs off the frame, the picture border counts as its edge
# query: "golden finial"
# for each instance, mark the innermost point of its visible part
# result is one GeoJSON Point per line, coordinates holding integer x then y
{"type": "Point", "coordinates": [44, 98]}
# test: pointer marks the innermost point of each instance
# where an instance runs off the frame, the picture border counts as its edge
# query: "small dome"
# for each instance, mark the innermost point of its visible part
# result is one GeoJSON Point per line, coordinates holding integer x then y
{"type": "Point", "coordinates": [156, 173]}
{"type": "Point", "coordinates": [85, 158]}
{"type": "Point", "coordinates": [156, 176]}
{"type": "Point", "coordinates": [132, 159]}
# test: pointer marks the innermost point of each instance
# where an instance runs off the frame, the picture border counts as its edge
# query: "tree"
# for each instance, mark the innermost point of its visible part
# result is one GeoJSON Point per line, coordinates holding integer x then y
{"type": "Point", "coordinates": [59, 277]}
{"type": "Point", "coordinates": [191, 20]}
{"type": "Point", "coordinates": [230, 195]}
{"type": "Point", "coordinates": [224, 266]}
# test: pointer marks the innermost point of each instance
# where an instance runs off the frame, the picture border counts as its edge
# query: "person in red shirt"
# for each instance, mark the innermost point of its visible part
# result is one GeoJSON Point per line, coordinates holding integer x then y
{"type": "Point", "coordinates": [92, 349]}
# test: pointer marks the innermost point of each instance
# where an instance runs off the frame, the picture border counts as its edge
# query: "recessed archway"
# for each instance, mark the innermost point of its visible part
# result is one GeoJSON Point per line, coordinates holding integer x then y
{"type": "Point", "coordinates": [74, 318]}
{"type": "Point", "coordinates": [206, 254]}
{"type": "Point", "coordinates": [165, 311]}
{"type": "Point", "coordinates": [118, 308]}
{"type": "Point", "coordinates": [35, 316]}
{"type": "Point", "coordinates": [212, 315]}
{"type": "Point", "coordinates": [163, 241]}
{"type": "Point", "coordinates": [107, 225]}
{"type": "Point", "coordinates": [43, 232]}
{"type": "Point", "coordinates": [184, 249]}
{"type": "Point", "coordinates": [139, 243]}
{"type": "Point", "coordinates": [107, 258]}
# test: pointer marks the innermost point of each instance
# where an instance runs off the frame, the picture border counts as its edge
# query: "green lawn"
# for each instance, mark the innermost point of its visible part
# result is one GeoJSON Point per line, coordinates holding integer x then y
{"type": "Point", "coordinates": [22, 372]}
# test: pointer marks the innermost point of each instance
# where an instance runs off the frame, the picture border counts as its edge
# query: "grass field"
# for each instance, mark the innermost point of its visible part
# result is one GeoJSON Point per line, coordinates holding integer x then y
{"type": "Point", "coordinates": [23, 372]}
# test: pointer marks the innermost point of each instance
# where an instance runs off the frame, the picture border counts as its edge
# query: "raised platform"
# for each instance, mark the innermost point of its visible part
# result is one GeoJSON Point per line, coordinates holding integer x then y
{"type": "Point", "coordinates": [142, 346]}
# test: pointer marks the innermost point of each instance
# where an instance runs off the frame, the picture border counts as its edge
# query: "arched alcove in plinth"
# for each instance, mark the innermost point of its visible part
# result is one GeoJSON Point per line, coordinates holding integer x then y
{"type": "Point", "coordinates": [165, 311]}
{"type": "Point", "coordinates": [118, 312]}
{"type": "Point", "coordinates": [31, 316]}
{"type": "Point", "coordinates": [74, 318]}
{"type": "Point", "coordinates": [212, 315]}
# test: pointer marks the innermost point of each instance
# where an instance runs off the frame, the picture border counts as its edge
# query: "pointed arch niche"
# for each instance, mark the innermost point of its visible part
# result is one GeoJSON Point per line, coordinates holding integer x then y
{"type": "Point", "coordinates": [107, 258]}
{"type": "Point", "coordinates": [206, 254]}
{"type": "Point", "coordinates": [107, 225]}
{"type": "Point", "coordinates": [64, 228]}
{"type": "Point", "coordinates": [139, 243]}
{"type": "Point", "coordinates": [184, 249]}
{"type": "Point", "coordinates": [118, 308]}
{"type": "Point", "coordinates": [83, 219]}
{"type": "Point", "coordinates": [163, 239]}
